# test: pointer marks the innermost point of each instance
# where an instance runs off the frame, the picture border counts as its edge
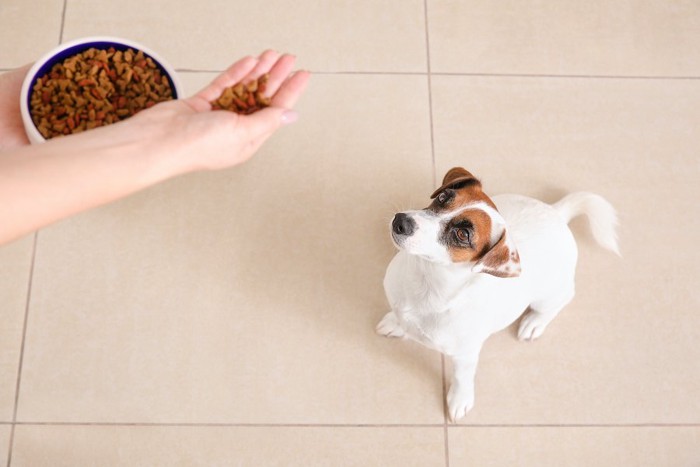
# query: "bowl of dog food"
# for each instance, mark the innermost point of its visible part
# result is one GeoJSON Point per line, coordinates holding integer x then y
{"type": "Point", "coordinates": [92, 82]}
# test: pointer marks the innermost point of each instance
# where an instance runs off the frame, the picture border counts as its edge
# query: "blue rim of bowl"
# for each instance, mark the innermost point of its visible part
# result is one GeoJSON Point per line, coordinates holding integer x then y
{"type": "Point", "coordinates": [99, 44]}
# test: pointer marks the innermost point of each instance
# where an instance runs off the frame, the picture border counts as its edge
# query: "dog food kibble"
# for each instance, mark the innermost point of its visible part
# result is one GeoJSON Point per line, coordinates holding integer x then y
{"type": "Point", "coordinates": [96, 88]}
{"type": "Point", "coordinates": [244, 98]}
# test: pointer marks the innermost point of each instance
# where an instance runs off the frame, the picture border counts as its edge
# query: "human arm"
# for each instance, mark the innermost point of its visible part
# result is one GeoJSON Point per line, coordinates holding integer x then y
{"type": "Point", "coordinates": [12, 133]}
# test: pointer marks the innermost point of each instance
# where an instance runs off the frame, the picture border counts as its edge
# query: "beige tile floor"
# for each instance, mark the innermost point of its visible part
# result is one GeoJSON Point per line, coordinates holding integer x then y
{"type": "Point", "coordinates": [227, 318]}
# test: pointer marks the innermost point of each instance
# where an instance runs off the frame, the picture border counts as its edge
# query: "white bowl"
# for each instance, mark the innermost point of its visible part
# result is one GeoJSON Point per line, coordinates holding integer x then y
{"type": "Point", "coordinates": [60, 53]}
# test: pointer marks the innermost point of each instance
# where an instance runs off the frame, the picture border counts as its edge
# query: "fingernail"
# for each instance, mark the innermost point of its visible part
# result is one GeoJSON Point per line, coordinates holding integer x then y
{"type": "Point", "coordinates": [289, 117]}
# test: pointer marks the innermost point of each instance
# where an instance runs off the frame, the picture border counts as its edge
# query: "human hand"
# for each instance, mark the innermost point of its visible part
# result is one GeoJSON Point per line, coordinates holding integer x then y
{"type": "Point", "coordinates": [11, 127]}
{"type": "Point", "coordinates": [195, 137]}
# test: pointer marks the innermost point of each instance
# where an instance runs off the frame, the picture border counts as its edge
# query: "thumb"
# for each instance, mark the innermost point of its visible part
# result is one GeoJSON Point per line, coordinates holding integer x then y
{"type": "Point", "coordinates": [266, 121]}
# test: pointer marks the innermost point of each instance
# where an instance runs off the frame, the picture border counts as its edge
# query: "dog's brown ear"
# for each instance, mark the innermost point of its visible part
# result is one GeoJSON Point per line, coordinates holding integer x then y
{"type": "Point", "coordinates": [456, 177]}
{"type": "Point", "coordinates": [502, 260]}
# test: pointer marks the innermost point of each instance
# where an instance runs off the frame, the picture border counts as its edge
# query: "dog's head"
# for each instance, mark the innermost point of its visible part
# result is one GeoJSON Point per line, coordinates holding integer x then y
{"type": "Point", "coordinates": [462, 225]}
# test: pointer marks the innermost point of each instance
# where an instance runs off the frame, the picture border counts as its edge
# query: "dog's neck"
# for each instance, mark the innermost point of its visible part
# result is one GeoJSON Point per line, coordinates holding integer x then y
{"type": "Point", "coordinates": [435, 284]}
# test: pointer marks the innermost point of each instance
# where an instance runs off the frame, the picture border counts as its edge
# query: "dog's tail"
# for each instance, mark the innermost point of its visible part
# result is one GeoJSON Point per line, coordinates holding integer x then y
{"type": "Point", "coordinates": [601, 216]}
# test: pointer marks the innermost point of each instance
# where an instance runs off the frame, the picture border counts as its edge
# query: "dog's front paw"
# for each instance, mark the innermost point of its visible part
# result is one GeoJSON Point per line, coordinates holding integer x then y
{"type": "Point", "coordinates": [460, 400]}
{"type": "Point", "coordinates": [532, 325]}
{"type": "Point", "coordinates": [389, 326]}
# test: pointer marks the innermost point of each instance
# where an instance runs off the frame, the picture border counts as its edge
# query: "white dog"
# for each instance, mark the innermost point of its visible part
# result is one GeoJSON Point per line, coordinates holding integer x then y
{"type": "Point", "coordinates": [468, 266]}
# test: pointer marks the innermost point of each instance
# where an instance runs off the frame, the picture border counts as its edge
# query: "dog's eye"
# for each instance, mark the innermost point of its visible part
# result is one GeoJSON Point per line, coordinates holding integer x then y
{"type": "Point", "coordinates": [464, 236]}
{"type": "Point", "coordinates": [442, 197]}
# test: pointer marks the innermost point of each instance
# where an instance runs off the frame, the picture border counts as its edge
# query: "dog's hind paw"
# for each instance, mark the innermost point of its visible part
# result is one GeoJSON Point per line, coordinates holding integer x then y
{"type": "Point", "coordinates": [389, 326]}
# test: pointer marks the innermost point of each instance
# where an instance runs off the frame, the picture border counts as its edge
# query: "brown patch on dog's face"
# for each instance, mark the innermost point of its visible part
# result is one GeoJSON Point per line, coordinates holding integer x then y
{"type": "Point", "coordinates": [474, 225]}
{"type": "Point", "coordinates": [455, 176]}
{"type": "Point", "coordinates": [460, 188]}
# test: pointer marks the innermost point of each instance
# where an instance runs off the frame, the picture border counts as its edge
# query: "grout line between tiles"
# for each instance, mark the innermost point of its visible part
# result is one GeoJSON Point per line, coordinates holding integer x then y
{"type": "Point", "coordinates": [578, 425]}
{"type": "Point", "coordinates": [240, 425]}
{"type": "Point", "coordinates": [468, 74]}
{"type": "Point", "coordinates": [446, 434]}
{"type": "Point", "coordinates": [21, 349]}
{"type": "Point", "coordinates": [536, 75]}
{"type": "Point", "coordinates": [446, 422]}
{"type": "Point", "coordinates": [363, 425]}
{"type": "Point", "coordinates": [63, 21]}
{"type": "Point", "coordinates": [430, 95]}
{"type": "Point", "coordinates": [501, 75]}
{"type": "Point", "coordinates": [434, 175]}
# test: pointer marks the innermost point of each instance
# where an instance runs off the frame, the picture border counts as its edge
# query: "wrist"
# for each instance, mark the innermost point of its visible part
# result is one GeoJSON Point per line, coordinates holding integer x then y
{"type": "Point", "coordinates": [148, 143]}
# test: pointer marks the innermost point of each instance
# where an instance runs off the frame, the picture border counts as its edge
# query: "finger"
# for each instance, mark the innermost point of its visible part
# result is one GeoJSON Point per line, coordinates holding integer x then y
{"type": "Point", "coordinates": [234, 74]}
{"type": "Point", "coordinates": [291, 90]}
{"type": "Point", "coordinates": [279, 73]}
{"type": "Point", "coordinates": [265, 62]}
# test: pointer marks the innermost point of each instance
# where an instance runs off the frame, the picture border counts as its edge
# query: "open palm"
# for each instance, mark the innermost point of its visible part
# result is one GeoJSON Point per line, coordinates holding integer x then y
{"type": "Point", "coordinates": [284, 87]}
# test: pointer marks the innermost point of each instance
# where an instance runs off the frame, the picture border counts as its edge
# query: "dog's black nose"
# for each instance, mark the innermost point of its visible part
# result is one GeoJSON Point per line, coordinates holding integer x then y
{"type": "Point", "coordinates": [403, 224]}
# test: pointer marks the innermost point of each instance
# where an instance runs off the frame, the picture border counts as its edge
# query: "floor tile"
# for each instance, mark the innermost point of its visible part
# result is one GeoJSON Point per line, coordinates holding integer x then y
{"type": "Point", "coordinates": [28, 29]}
{"type": "Point", "coordinates": [15, 264]}
{"type": "Point", "coordinates": [363, 35]}
{"type": "Point", "coordinates": [208, 446]}
{"type": "Point", "coordinates": [574, 446]}
{"type": "Point", "coordinates": [652, 38]}
{"type": "Point", "coordinates": [624, 350]}
{"type": "Point", "coordinates": [249, 295]}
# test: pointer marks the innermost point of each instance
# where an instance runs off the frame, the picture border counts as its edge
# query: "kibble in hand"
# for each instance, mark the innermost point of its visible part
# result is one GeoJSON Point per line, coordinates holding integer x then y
{"type": "Point", "coordinates": [244, 99]}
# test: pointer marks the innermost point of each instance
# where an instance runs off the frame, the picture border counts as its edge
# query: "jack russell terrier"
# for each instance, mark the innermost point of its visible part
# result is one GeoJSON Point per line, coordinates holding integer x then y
{"type": "Point", "coordinates": [469, 265]}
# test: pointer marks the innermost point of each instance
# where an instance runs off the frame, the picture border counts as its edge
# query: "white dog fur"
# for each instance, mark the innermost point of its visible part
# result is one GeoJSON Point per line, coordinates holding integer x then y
{"type": "Point", "coordinates": [469, 266]}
